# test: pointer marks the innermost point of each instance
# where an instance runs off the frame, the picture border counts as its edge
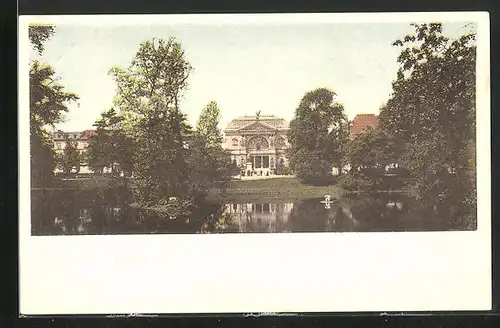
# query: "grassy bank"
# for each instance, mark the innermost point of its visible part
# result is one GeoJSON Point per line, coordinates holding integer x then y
{"type": "Point", "coordinates": [269, 189]}
{"type": "Point", "coordinates": [88, 183]}
{"type": "Point", "coordinates": [237, 190]}
{"type": "Point", "coordinates": [276, 188]}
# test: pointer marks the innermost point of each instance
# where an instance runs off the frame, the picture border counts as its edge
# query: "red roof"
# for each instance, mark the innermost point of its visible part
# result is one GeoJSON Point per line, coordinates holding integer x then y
{"type": "Point", "coordinates": [88, 133]}
{"type": "Point", "coordinates": [362, 121]}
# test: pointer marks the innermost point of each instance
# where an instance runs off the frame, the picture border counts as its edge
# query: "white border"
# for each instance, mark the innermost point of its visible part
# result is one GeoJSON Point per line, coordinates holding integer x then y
{"type": "Point", "coordinates": [258, 272]}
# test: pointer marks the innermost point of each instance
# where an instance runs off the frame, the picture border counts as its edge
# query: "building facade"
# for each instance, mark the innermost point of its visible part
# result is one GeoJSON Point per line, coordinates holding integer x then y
{"type": "Point", "coordinates": [257, 143]}
{"type": "Point", "coordinates": [362, 122]}
{"type": "Point", "coordinates": [80, 140]}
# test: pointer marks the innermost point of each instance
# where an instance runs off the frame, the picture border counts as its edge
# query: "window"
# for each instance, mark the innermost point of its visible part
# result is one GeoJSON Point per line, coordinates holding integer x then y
{"type": "Point", "coordinates": [235, 142]}
{"type": "Point", "coordinates": [280, 142]}
{"type": "Point", "coordinates": [258, 143]}
{"type": "Point", "coordinates": [258, 162]}
{"type": "Point", "coordinates": [266, 162]}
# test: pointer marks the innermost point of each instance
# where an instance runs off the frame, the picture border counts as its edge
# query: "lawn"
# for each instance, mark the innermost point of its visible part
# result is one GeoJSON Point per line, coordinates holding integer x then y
{"type": "Point", "coordinates": [269, 189]}
{"type": "Point", "coordinates": [89, 183]}
{"type": "Point", "coordinates": [236, 190]}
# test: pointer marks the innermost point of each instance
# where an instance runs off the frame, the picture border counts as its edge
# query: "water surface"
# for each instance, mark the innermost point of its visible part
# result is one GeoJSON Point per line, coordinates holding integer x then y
{"type": "Point", "coordinates": [70, 212]}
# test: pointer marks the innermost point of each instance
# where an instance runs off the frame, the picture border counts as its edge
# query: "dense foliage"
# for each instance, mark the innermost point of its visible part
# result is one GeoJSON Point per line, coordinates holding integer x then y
{"type": "Point", "coordinates": [207, 161]}
{"type": "Point", "coordinates": [39, 34]}
{"type": "Point", "coordinates": [432, 110]}
{"type": "Point", "coordinates": [110, 146]}
{"type": "Point", "coordinates": [147, 134]}
{"type": "Point", "coordinates": [148, 94]}
{"type": "Point", "coordinates": [70, 159]}
{"type": "Point", "coordinates": [369, 154]}
{"type": "Point", "coordinates": [48, 102]}
{"type": "Point", "coordinates": [207, 125]}
{"type": "Point", "coordinates": [317, 135]}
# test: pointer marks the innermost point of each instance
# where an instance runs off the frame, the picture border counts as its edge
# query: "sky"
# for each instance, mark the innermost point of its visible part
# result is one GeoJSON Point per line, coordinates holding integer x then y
{"type": "Point", "coordinates": [244, 68]}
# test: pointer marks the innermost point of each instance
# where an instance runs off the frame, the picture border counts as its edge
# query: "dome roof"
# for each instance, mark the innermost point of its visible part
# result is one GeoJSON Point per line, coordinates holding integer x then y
{"type": "Point", "coordinates": [271, 120]}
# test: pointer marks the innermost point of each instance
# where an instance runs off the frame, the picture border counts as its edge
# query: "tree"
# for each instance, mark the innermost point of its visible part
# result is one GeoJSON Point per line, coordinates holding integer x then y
{"type": "Point", "coordinates": [364, 151]}
{"type": "Point", "coordinates": [98, 153]}
{"type": "Point", "coordinates": [207, 125]}
{"type": "Point", "coordinates": [373, 149]}
{"type": "Point", "coordinates": [435, 86]}
{"type": "Point", "coordinates": [70, 158]}
{"type": "Point", "coordinates": [280, 166]}
{"type": "Point", "coordinates": [48, 102]}
{"type": "Point", "coordinates": [432, 109]}
{"type": "Point", "coordinates": [148, 94]}
{"type": "Point", "coordinates": [368, 154]}
{"type": "Point", "coordinates": [42, 159]}
{"type": "Point", "coordinates": [208, 162]}
{"type": "Point", "coordinates": [39, 34]}
{"type": "Point", "coordinates": [110, 145]}
{"type": "Point", "coordinates": [317, 134]}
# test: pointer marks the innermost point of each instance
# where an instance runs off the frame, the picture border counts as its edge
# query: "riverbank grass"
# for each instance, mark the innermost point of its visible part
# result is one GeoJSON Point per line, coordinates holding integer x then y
{"type": "Point", "coordinates": [289, 188]}
{"type": "Point", "coordinates": [269, 189]}
{"type": "Point", "coordinates": [93, 182]}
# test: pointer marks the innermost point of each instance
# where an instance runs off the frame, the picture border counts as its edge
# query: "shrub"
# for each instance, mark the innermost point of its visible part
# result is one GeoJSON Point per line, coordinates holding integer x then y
{"type": "Point", "coordinates": [357, 182]}
{"type": "Point", "coordinates": [176, 207]}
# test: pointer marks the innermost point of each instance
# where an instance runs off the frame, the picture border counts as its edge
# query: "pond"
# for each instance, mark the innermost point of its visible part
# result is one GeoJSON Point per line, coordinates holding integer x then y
{"type": "Point", "coordinates": [67, 212]}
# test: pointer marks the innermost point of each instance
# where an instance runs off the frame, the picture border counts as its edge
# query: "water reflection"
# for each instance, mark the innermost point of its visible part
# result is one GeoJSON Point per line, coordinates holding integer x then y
{"type": "Point", "coordinates": [260, 217]}
{"type": "Point", "coordinates": [69, 213]}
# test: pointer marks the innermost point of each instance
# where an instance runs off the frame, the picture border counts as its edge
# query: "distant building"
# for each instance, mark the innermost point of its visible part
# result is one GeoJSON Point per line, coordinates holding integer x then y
{"type": "Point", "coordinates": [79, 139]}
{"type": "Point", "coordinates": [257, 143]}
{"type": "Point", "coordinates": [361, 122]}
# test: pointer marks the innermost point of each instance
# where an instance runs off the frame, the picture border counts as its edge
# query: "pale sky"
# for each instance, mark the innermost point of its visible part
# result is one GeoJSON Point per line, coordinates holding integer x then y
{"type": "Point", "coordinates": [242, 68]}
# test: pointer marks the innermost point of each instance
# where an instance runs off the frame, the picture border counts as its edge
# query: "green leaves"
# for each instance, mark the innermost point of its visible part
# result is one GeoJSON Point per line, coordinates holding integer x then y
{"type": "Point", "coordinates": [168, 158]}
{"type": "Point", "coordinates": [317, 134]}
{"type": "Point", "coordinates": [39, 34]}
{"type": "Point", "coordinates": [70, 159]}
{"type": "Point", "coordinates": [208, 163]}
{"type": "Point", "coordinates": [155, 79]}
{"type": "Point", "coordinates": [110, 144]}
{"type": "Point", "coordinates": [48, 100]}
{"type": "Point", "coordinates": [48, 103]}
{"type": "Point", "coordinates": [148, 92]}
{"type": "Point", "coordinates": [207, 125]}
{"type": "Point", "coordinates": [42, 159]}
{"type": "Point", "coordinates": [432, 111]}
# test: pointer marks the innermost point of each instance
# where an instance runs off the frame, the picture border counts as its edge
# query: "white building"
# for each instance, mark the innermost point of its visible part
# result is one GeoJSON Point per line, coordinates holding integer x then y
{"type": "Point", "coordinates": [257, 143]}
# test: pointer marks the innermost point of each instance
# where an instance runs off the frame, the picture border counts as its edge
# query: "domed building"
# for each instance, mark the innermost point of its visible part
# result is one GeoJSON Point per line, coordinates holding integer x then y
{"type": "Point", "coordinates": [257, 143]}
